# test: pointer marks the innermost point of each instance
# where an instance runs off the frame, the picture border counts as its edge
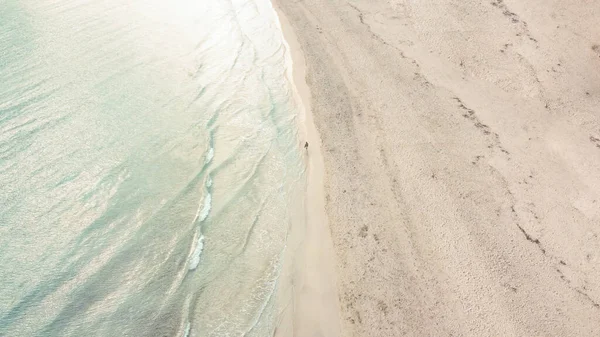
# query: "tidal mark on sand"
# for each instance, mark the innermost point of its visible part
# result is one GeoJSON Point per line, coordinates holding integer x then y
{"type": "Point", "coordinates": [558, 270]}
{"type": "Point", "coordinates": [532, 240]}
{"type": "Point", "coordinates": [595, 141]}
{"type": "Point", "coordinates": [514, 18]}
{"type": "Point", "coordinates": [485, 129]}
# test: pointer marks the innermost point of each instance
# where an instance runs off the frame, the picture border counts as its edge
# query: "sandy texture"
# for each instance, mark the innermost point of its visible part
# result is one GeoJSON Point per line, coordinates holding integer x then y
{"type": "Point", "coordinates": [462, 155]}
{"type": "Point", "coordinates": [309, 262]}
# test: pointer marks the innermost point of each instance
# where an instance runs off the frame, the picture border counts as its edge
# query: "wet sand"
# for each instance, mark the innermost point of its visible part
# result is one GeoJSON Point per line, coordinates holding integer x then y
{"type": "Point", "coordinates": [311, 306]}
{"type": "Point", "coordinates": [461, 148]}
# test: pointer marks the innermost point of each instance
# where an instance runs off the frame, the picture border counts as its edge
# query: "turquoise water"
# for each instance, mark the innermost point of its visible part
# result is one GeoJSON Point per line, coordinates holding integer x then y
{"type": "Point", "coordinates": [149, 161]}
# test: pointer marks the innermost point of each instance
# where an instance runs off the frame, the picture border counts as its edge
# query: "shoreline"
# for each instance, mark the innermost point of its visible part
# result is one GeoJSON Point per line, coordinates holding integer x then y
{"type": "Point", "coordinates": [461, 146]}
{"type": "Point", "coordinates": [315, 304]}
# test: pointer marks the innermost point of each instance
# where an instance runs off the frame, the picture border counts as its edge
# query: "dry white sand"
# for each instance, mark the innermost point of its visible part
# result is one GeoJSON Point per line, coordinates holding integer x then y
{"type": "Point", "coordinates": [461, 143]}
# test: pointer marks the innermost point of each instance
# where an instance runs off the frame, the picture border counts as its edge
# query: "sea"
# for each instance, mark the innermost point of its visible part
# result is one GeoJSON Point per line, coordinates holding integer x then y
{"type": "Point", "coordinates": [150, 165]}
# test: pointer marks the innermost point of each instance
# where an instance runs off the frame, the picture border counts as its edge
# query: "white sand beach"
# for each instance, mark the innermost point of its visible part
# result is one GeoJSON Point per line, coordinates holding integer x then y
{"type": "Point", "coordinates": [461, 151]}
{"type": "Point", "coordinates": [314, 308]}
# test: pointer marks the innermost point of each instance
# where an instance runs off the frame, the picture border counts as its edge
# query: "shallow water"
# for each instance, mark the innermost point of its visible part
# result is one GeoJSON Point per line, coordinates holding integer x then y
{"type": "Point", "coordinates": [149, 161]}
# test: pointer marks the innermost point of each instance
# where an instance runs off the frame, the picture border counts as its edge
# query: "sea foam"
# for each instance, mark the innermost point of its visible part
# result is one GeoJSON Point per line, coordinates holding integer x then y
{"type": "Point", "coordinates": [205, 208]}
{"type": "Point", "coordinates": [195, 258]}
{"type": "Point", "coordinates": [210, 155]}
{"type": "Point", "coordinates": [186, 332]}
